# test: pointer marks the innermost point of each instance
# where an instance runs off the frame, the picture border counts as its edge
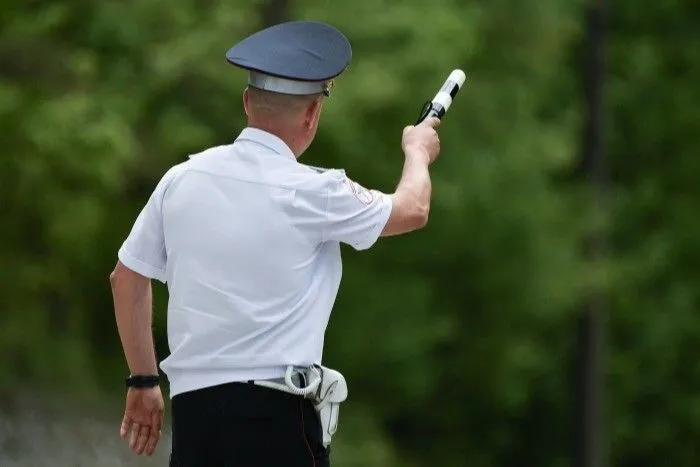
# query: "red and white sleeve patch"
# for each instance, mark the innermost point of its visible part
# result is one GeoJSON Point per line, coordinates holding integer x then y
{"type": "Point", "coordinates": [364, 195]}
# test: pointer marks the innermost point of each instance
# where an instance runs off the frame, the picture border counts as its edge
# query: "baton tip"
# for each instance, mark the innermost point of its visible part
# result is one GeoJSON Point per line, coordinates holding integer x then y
{"type": "Point", "coordinates": [458, 76]}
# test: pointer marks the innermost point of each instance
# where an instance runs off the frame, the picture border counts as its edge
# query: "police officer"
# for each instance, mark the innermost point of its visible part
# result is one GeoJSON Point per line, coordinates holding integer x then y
{"type": "Point", "coordinates": [248, 241]}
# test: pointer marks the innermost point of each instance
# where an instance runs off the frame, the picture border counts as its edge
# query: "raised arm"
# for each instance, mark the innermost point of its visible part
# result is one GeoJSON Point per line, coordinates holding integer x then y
{"type": "Point", "coordinates": [411, 200]}
{"type": "Point", "coordinates": [339, 209]}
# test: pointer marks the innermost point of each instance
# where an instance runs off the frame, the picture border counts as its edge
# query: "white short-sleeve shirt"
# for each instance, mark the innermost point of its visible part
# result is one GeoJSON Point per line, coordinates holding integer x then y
{"type": "Point", "coordinates": [248, 241]}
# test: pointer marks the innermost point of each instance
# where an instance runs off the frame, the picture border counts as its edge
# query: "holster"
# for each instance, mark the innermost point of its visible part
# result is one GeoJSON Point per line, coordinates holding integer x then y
{"type": "Point", "coordinates": [324, 387]}
{"type": "Point", "coordinates": [327, 398]}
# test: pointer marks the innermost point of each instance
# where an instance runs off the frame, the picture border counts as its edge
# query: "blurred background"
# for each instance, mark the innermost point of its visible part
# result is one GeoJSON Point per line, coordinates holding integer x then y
{"type": "Point", "coordinates": [463, 343]}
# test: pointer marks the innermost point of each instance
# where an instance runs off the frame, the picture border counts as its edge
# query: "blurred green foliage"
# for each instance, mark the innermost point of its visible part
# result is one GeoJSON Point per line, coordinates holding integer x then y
{"type": "Point", "coordinates": [457, 340]}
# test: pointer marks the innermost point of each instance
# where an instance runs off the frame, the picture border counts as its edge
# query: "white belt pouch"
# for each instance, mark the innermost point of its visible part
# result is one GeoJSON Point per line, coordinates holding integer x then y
{"type": "Point", "coordinates": [325, 387]}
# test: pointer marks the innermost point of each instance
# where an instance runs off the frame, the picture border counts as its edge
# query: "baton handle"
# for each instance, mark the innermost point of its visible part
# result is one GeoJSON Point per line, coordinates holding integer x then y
{"type": "Point", "coordinates": [440, 104]}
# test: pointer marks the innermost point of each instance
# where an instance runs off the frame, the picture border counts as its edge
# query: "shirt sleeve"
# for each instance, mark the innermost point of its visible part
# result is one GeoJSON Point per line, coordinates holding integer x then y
{"type": "Point", "coordinates": [346, 212]}
{"type": "Point", "coordinates": [143, 251]}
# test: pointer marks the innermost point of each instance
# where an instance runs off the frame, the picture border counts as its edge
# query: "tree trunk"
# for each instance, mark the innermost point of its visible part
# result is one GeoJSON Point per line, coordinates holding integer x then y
{"type": "Point", "coordinates": [274, 12]}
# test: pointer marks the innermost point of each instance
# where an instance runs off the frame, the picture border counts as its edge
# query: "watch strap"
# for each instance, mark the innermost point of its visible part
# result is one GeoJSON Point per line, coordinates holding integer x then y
{"type": "Point", "coordinates": [142, 381]}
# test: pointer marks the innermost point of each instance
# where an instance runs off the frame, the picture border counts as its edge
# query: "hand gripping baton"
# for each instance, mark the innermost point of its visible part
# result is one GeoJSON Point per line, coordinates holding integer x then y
{"type": "Point", "coordinates": [443, 99]}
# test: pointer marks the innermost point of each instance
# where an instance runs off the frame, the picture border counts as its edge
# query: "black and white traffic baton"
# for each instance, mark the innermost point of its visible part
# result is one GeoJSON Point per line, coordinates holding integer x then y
{"type": "Point", "coordinates": [443, 99]}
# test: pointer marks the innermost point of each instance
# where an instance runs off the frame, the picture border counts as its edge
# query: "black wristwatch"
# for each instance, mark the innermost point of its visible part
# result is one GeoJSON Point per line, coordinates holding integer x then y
{"type": "Point", "coordinates": [142, 381]}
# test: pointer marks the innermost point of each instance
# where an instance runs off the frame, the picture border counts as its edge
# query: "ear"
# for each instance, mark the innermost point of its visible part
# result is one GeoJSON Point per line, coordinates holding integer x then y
{"type": "Point", "coordinates": [246, 102]}
{"type": "Point", "coordinates": [313, 112]}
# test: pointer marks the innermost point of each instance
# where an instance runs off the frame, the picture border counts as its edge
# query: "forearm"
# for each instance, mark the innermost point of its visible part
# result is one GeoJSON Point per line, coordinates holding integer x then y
{"type": "Point", "coordinates": [133, 300]}
{"type": "Point", "coordinates": [411, 199]}
{"type": "Point", "coordinates": [415, 186]}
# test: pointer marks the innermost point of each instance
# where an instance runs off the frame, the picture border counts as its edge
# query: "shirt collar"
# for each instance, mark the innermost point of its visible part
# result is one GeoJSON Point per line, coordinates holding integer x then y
{"type": "Point", "coordinates": [266, 139]}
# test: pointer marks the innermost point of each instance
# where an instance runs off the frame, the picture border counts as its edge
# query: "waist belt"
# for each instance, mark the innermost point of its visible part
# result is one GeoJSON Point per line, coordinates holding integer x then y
{"type": "Point", "coordinates": [297, 378]}
{"type": "Point", "coordinates": [325, 387]}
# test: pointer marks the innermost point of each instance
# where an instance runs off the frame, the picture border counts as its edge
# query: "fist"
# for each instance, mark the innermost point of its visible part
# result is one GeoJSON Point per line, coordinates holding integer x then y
{"type": "Point", "coordinates": [423, 139]}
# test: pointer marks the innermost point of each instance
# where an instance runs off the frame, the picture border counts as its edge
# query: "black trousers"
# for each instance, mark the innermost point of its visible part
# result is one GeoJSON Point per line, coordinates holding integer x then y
{"type": "Point", "coordinates": [243, 425]}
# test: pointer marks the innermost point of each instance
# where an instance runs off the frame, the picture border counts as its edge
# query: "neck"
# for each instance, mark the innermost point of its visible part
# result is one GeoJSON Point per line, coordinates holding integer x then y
{"type": "Point", "coordinates": [289, 137]}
